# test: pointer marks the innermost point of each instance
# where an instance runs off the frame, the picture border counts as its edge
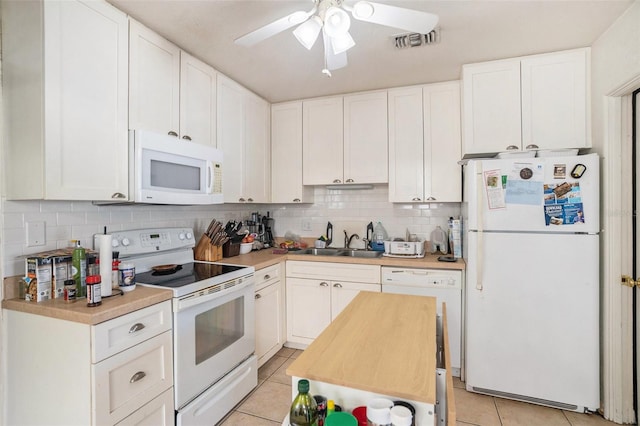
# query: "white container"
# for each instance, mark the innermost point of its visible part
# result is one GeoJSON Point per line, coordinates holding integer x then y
{"type": "Point", "coordinates": [401, 416]}
{"type": "Point", "coordinates": [246, 248]}
{"type": "Point", "coordinates": [127, 276]}
{"type": "Point", "coordinates": [379, 412]}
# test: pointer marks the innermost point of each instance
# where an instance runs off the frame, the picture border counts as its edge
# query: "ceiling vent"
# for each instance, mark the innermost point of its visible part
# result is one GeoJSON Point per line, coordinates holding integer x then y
{"type": "Point", "coordinates": [416, 39]}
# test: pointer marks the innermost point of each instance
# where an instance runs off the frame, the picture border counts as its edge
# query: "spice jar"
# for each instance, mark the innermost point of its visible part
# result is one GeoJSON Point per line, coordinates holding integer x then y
{"type": "Point", "coordinates": [69, 290]}
{"type": "Point", "coordinates": [94, 297]}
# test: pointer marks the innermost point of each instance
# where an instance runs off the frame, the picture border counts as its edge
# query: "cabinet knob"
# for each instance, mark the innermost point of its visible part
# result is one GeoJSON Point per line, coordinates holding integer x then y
{"type": "Point", "coordinates": [186, 137]}
{"type": "Point", "coordinates": [296, 200]}
{"type": "Point", "coordinates": [532, 146]}
{"type": "Point", "coordinates": [337, 181]}
{"type": "Point", "coordinates": [324, 284]}
{"type": "Point", "coordinates": [136, 327]}
{"type": "Point", "coordinates": [137, 377]}
{"type": "Point", "coordinates": [337, 285]}
{"type": "Point", "coordinates": [258, 296]}
{"type": "Point", "coordinates": [118, 195]}
{"type": "Point", "coordinates": [416, 199]}
{"type": "Point", "coordinates": [350, 181]}
{"type": "Point", "coordinates": [513, 148]}
{"type": "Point", "coordinates": [172, 133]}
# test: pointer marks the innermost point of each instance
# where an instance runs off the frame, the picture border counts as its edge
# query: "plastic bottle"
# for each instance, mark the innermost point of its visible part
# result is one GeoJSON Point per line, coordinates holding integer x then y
{"type": "Point", "coordinates": [304, 410]}
{"type": "Point", "coordinates": [331, 407]}
{"type": "Point", "coordinates": [79, 269]}
{"type": "Point", "coordinates": [379, 237]}
{"type": "Point", "coordinates": [401, 416]}
{"type": "Point", "coordinates": [379, 412]}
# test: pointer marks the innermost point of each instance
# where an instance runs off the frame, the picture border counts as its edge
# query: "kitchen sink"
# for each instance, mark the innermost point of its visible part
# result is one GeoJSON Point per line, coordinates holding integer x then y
{"type": "Point", "coordinates": [367, 254]}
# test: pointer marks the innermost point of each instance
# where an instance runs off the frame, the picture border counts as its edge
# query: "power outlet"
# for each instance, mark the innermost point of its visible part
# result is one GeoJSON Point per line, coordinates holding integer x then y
{"type": "Point", "coordinates": [306, 225]}
{"type": "Point", "coordinates": [35, 234]}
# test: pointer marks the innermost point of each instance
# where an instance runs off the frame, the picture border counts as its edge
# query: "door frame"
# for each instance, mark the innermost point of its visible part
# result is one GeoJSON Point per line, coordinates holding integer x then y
{"type": "Point", "coordinates": [617, 300]}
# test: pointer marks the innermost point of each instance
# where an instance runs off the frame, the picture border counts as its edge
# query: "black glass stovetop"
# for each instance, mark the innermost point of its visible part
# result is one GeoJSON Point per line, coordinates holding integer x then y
{"type": "Point", "coordinates": [185, 274]}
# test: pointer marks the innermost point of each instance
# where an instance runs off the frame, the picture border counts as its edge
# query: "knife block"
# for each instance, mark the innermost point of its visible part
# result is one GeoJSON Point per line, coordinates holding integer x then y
{"type": "Point", "coordinates": [205, 251]}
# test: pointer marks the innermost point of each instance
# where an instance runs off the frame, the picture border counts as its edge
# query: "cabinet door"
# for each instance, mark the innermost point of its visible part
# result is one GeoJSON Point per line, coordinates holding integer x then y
{"type": "Point", "coordinates": [257, 158]}
{"type": "Point", "coordinates": [342, 293]}
{"type": "Point", "coordinates": [406, 167]}
{"type": "Point", "coordinates": [85, 101]}
{"type": "Point", "coordinates": [491, 107]}
{"type": "Point", "coordinates": [157, 412]}
{"type": "Point", "coordinates": [322, 141]}
{"type": "Point", "coordinates": [308, 309]}
{"type": "Point", "coordinates": [154, 81]}
{"type": "Point", "coordinates": [286, 155]}
{"type": "Point", "coordinates": [554, 100]}
{"type": "Point", "coordinates": [197, 100]}
{"type": "Point", "coordinates": [231, 136]}
{"type": "Point", "coordinates": [270, 311]}
{"type": "Point", "coordinates": [366, 138]}
{"type": "Point", "coordinates": [442, 144]}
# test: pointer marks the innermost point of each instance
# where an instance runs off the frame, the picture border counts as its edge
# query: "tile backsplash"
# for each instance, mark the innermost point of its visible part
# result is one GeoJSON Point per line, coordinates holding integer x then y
{"type": "Point", "coordinates": [347, 210]}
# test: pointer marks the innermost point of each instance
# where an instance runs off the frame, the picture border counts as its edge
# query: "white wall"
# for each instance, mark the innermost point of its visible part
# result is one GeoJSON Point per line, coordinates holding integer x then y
{"type": "Point", "coordinates": [348, 210]}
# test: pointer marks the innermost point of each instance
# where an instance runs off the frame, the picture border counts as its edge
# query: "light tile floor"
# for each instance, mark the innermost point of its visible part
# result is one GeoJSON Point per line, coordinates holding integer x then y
{"type": "Point", "coordinates": [269, 402]}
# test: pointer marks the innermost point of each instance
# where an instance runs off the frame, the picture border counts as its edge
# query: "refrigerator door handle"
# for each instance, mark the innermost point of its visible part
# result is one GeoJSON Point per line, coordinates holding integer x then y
{"type": "Point", "coordinates": [479, 218]}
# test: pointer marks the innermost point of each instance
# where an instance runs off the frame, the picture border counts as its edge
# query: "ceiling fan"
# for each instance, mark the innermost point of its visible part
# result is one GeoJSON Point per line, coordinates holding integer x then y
{"type": "Point", "coordinates": [331, 17]}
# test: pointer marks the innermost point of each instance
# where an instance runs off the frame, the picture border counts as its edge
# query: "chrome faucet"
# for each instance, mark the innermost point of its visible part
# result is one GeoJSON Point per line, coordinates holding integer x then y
{"type": "Point", "coordinates": [347, 238]}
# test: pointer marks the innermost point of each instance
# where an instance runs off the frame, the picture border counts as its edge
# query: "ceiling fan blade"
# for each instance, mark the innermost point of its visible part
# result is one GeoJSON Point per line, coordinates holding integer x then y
{"type": "Point", "coordinates": [274, 28]}
{"type": "Point", "coordinates": [333, 61]}
{"type": "Point", "coordinates": [397, 17]}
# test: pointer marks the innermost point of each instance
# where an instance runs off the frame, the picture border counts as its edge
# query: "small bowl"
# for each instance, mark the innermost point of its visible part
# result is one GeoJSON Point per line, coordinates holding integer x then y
{"type": "Point", "coordinates": [246, 248]}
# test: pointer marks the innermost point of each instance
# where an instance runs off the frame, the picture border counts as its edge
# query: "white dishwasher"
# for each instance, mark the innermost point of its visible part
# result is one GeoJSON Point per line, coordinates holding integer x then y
{"type": "Point", "coordinates": [443, 284]}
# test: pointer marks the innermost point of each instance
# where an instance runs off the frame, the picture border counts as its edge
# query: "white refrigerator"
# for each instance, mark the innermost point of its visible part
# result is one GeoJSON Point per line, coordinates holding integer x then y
{"type": "Point", "coordinates": [532, 256]}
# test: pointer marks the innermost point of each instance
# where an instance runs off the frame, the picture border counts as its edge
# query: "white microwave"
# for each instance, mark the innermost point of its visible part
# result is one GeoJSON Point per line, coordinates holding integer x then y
{"type": "Point", "coordinates": [166, 170]}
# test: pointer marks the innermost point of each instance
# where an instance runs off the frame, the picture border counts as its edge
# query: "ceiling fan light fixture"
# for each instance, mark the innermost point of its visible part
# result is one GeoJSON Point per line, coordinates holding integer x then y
{"type": "Point", "coordinates": [336, 22]}
{"type": "Point", "coordinates": [298, 17]}
{"type": "Point", "coordinates": [342, 43]}
{"type": "Point", "coordinates": [307, 32]}
{"type": "Point", "coordinates": [362, 10]}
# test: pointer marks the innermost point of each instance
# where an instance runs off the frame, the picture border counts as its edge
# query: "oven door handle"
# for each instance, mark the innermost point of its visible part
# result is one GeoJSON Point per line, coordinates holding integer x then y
{"type": "Point", "coordinates": [197, 298]}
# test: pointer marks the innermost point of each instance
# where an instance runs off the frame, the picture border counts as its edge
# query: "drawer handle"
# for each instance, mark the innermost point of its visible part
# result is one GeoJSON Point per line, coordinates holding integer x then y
{"type": "Point", "coordinates": [172, 133]}
{"type": "Point", "coordinates": [258, 296]}
{"type": "Point", "coordinates": [267, 277]}
{"type": "Point", "coordinates": [323, 284]}
{"type": "Point", "coordinates": [337, 285]}
{"type": "Point", "coordinates": [138, 376]}
{"type": "Point", "coordinates": [136, 327]}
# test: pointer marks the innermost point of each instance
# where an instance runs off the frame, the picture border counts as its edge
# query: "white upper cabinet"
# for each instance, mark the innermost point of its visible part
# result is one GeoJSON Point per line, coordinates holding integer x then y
{"type": "Point", "coordinates": [533, 102]}
{"type": "Point", "coordinates": [243, 136]}
{"type": "Point", "coordinates": [424, 143]}
{"type": "Point", "coordinates": [197, 100]}
{"type": "Point", "coordinates": [171, 92]}
{"type": "Point", "coordinates": [345, 139]}
{"type": "Point", "coordinates": [286, 155]}
{"type": "Point", "coordinates": [366, 138]}
{"type": "Point", "coordinates": [154, 81]}
{"type": "Point", "coordinates": [322, 141]}
{"type": "Point", "coordinates": [64, 66]}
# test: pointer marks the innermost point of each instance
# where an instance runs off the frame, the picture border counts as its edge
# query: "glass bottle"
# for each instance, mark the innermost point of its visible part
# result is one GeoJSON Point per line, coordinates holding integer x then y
{"type": "Point", "coordinates": [79, 269]}
{"type": "Point", "coordinates": [304, 410]}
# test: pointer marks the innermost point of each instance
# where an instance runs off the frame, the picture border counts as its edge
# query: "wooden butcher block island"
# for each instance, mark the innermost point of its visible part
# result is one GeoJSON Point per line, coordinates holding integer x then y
{"type": "Point", "coordinates": [381, 345]}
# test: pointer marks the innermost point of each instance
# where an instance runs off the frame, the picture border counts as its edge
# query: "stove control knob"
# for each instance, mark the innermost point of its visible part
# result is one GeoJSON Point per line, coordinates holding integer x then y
{"type": "Point", "coordinates": [125, 242]}
{"type": "Point", "coordinates": [189, 235]}
{"type": "Point", "coordinates": [181, 235]}
{"type": "Point", "coordinates": [115, 242]}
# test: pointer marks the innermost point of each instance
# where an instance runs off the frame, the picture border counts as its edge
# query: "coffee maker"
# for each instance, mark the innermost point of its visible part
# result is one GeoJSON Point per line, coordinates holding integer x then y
{"type": "Point", "coordinates": [262, 227]}
{"type": "Point", "coordinates": [268, 223]}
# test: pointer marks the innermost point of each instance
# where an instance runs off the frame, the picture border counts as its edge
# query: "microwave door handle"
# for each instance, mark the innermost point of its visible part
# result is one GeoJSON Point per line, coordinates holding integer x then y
{"type": "Point", "coordinates": [209, 177]}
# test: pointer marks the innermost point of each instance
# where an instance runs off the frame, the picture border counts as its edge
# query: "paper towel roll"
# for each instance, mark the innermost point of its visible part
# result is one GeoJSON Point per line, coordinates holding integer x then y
{"type": "Point", "coordinates": [106, 257]}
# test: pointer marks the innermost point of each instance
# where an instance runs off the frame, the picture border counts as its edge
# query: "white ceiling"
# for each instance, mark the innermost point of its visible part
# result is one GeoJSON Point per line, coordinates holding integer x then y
{"type": "Point", "coordinates": [281, 69]}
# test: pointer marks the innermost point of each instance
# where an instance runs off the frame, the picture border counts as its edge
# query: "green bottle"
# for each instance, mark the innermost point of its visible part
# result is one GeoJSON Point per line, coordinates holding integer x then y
{"type": "Point", "coordinates": [79, 269]}
{"type": "Point", "coordinates": [304, 410]}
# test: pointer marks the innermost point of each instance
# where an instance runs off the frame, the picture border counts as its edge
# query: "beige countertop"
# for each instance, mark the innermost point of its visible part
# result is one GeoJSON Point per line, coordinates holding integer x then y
{"type": "Point", "coordinates": [78, 311]}
{"type": "Point", "coordinates": [263, 258]}
{"type": "Point", "coordinates": [392, 354]}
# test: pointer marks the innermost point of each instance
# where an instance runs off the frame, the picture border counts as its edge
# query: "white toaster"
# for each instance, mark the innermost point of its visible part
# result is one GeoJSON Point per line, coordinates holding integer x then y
{"type": "Point", "coordinates": [404, 248]}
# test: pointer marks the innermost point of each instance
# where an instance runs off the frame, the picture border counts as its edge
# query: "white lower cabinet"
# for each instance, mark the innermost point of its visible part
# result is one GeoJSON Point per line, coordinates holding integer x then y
{"type": "Point", "coordinates": [60, 374]}
{"type": "Point", "coordinates": [270, 312]}
{"type": "Point", "coordinates": [317, 292]}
